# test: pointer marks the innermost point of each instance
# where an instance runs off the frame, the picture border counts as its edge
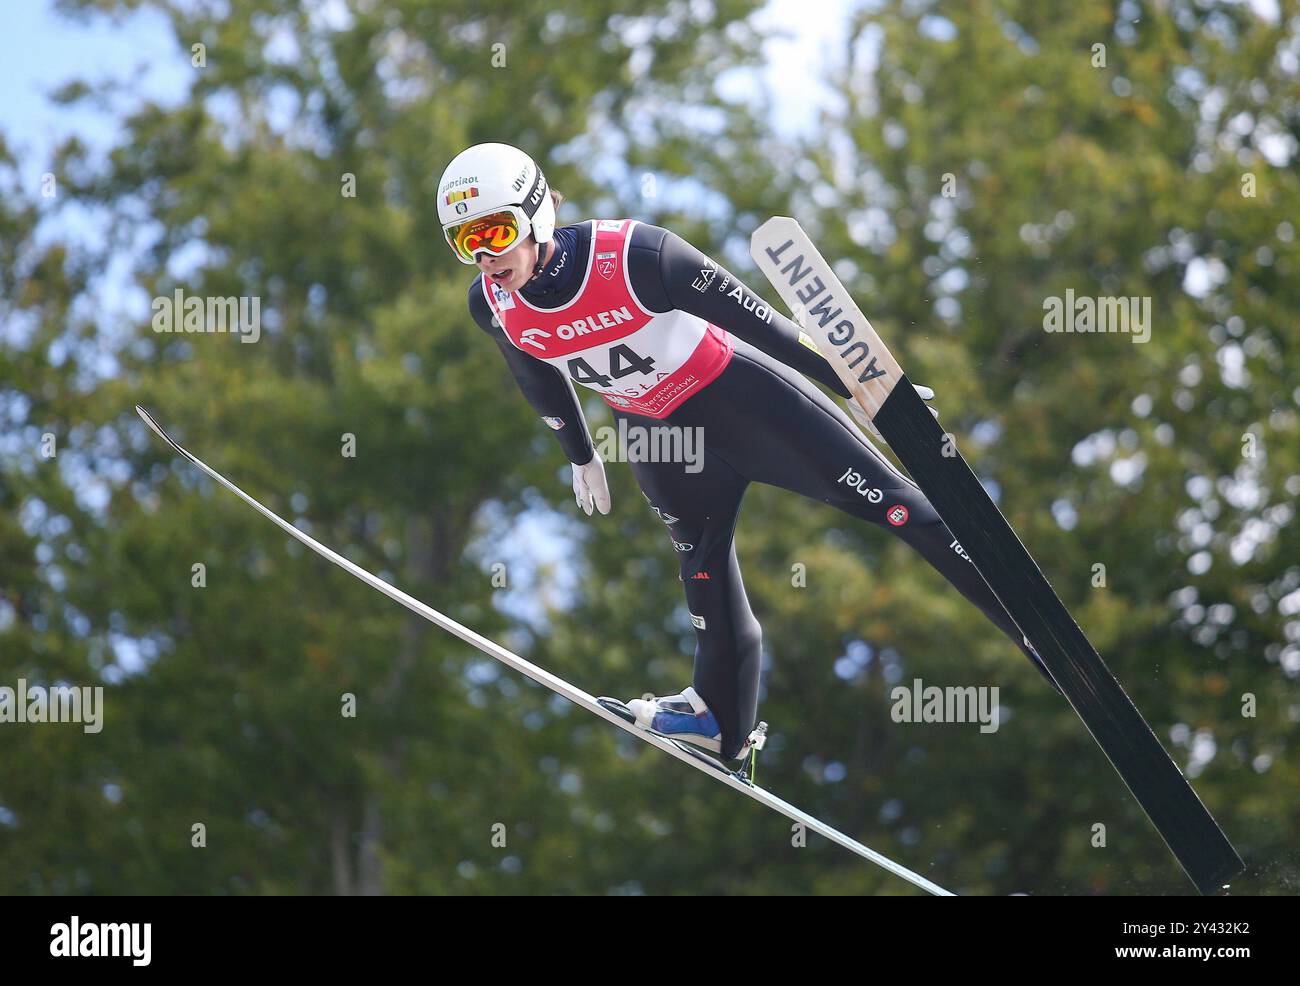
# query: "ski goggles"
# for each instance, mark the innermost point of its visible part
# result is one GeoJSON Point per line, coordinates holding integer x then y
{"type": "Point", "coordinates": [496, 232]}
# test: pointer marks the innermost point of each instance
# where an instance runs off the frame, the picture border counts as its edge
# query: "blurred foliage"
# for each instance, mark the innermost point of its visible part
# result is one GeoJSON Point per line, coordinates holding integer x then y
{"type": "Point", "coordinates": [975, 161]}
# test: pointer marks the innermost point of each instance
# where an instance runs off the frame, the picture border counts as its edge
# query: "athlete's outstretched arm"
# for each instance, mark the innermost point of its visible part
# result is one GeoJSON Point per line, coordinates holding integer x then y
{"type": "Point", "coordinates": [547, 389]}
{"type": "Point", "coordinates": [667, 273]}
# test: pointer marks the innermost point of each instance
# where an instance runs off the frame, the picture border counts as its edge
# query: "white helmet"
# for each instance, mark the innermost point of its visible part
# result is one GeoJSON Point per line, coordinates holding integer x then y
{"type": "Point", "coordinates": [488, 178]}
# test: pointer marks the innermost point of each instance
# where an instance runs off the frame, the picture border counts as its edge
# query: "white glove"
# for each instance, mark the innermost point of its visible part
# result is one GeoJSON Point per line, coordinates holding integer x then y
{"type": "Point", "coordinates": [859, 415]}
{"type": "Point", "coordinates": [589, 486]}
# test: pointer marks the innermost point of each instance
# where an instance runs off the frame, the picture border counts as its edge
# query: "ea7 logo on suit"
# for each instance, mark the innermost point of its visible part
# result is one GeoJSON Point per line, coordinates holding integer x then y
{"type": "Point", "coordinates": [704, 279]}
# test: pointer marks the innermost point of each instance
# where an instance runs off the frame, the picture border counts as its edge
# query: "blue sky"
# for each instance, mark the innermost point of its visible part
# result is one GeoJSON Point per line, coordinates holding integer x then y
{"type": "Point", "coordinates": [40, 49]}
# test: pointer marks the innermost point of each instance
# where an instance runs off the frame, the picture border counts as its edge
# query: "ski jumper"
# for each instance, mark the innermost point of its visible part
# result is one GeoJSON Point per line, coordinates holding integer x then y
{"type": "Point", "coordinates": [669, 338]}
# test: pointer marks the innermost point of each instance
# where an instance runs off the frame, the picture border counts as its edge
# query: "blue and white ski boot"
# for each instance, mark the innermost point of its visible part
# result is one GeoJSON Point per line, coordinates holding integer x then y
{"type": "Point", "coordinates": [683, 717]}
{"type": "Point", "coordinates": [686, 720]}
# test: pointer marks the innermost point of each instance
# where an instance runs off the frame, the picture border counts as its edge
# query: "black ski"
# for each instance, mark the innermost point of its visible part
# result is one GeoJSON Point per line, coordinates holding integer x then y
{"type": "Point", "coordinates": [844, 336]}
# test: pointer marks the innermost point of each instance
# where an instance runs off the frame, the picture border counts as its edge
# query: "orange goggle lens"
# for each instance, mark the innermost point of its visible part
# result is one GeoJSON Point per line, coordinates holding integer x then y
{"type": "Point", "coordinates": [496, 234]}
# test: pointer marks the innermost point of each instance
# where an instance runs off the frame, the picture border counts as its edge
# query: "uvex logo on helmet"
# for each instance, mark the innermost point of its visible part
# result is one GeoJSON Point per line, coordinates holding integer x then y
{"type": "Point", "coordinates": [538, 192]}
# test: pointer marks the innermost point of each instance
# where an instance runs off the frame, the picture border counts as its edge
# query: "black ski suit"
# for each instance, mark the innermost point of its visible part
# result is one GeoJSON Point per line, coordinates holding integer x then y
{"type": "Point", "coordinates": [762, 421]}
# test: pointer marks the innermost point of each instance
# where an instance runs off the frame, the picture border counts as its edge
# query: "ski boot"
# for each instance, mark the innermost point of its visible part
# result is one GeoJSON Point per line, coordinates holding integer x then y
{"type": "Point", "coordinates": [686, 718]}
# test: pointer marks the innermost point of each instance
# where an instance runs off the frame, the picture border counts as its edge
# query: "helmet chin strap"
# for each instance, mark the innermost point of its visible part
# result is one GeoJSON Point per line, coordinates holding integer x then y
{"type": "Point", "coordinates": [543, 254]}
